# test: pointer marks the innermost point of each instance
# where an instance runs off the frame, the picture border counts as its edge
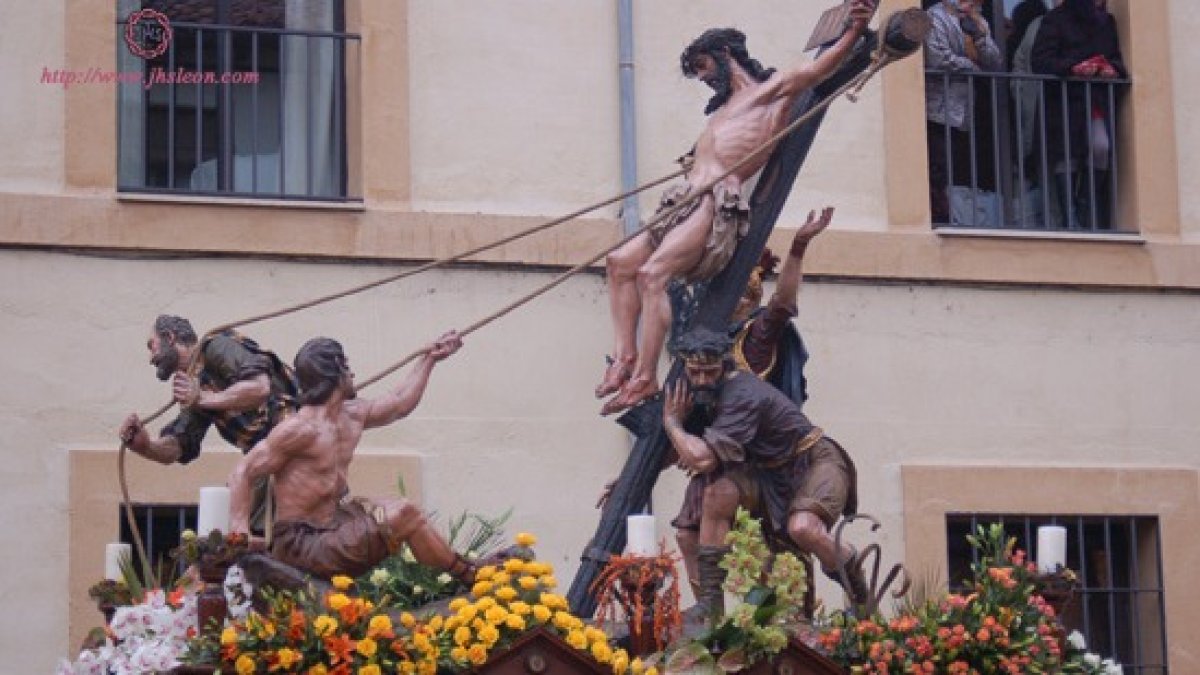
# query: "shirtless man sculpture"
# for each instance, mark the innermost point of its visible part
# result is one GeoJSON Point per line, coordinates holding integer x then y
{"type": "Point", "coordinates": [320, 529]}
{"type": "Point", "coordinates": [696, 242]}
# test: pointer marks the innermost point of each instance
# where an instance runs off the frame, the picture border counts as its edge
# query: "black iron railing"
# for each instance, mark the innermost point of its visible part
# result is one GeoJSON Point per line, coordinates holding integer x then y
{"type": "Point", "coordinates": [1035, 152]}
{"type": "Point", "coordinates": [241, 111]}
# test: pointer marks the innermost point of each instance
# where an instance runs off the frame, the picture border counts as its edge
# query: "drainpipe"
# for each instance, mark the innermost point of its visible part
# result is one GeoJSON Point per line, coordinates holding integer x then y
{"type": "Point", "coordinates": [629, 208]}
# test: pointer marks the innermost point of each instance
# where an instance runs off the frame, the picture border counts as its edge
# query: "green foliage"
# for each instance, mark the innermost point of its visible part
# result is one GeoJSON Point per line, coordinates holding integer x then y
{"type": "Point", "coordinates": [771, 600]}
{"type": "Point", "coordinates": [403, 582]}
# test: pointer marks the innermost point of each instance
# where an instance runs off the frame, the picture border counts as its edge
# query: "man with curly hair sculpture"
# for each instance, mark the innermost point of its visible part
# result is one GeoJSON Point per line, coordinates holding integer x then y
{"type": "Point", "coordinates": [765, 455]}
{"type": "Point", "coordinates": [321, 529]}
{"type": "Point", "coordinates": [696, 241]}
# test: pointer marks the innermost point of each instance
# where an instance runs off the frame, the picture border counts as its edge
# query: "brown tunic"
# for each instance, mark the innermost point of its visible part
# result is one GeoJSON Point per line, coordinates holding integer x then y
{"type": "Point", "coordinates": [354, 542]}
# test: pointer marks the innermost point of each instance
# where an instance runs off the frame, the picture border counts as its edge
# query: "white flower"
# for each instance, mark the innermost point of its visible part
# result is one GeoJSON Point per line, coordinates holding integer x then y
{"type": "Point", "coordinates": [1077, 640]}
{"type": "Point", "coordinates": [443, 578]}
{"type": "Point", "coordinates": [407, 555]}
{"type": "Point", "coordinates": [380, 577]}
{"type": "Point", "coordinates": [1092, 660]}
{"type": "Point", "coordinates": [417, 589]}
{"type": "Point", "coordinates": [1112, 667]}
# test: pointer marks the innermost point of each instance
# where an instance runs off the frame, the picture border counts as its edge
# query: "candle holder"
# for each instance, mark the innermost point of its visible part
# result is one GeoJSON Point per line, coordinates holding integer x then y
{"type": "Point", "coordinates": [645, 590]}
{"type": "Point", "coordinates": [1057, 588]}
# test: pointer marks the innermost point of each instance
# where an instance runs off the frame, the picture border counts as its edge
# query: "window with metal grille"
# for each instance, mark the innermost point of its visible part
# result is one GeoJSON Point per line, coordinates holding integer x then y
{"type": "Point", "coordinates": [160, 525]}
{"type": "Point", "coordinates": [1118, 603]}
{"type": "Point", "coordinates": [248, 98]}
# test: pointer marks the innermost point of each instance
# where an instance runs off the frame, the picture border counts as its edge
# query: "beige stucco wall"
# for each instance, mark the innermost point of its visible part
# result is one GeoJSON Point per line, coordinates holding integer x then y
{"type": "Point", "coordinates": [900, 374]}
{"type": "Point", "coordinates": [31, 113]}
{"type": "Point", "coordinates": [1185, 23]}
{"type": "Point", "coordinates": [501, 126]}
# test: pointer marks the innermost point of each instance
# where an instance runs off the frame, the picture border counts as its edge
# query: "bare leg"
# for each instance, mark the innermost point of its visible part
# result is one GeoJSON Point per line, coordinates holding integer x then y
{"type": "Point", "coordinates": [689, 544]}
{"type": "Point", "coordinates": [810, 534]}
{"type": "Point", "coordinates": [721, 500]}
{"type": "Point", "coordinates": [407, 523]}
{"type": "Point", "coordinates": [680, 250]}
{"type": "Point", "coordinates": [625, 304]}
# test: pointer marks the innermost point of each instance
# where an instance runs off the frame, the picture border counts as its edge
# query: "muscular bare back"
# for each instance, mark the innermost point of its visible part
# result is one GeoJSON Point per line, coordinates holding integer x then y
{"type": "Point", "coordinates": [312, 451]}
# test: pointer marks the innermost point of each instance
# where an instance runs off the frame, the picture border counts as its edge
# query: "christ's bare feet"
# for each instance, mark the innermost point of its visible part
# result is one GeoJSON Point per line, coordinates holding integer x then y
{"type": "Point", "coordinates": [615, 376]}
{"type": "Point", "coordinates": [632, 393]}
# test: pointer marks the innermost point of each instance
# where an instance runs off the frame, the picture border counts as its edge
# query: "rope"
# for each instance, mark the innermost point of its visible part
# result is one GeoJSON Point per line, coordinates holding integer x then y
{"type": "Point", "coordinates": [851, 88]}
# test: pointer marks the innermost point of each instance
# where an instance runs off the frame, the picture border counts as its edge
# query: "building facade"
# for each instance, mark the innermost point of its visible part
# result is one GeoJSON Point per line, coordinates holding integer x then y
{"type": "Point", "coordinates": [1031, 374]}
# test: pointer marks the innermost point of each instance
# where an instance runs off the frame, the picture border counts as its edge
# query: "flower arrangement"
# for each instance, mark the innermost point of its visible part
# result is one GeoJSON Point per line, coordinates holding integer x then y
{"type": "Point", "coordinates": [403, 582]}
{"type": "Point", "coordinates": [344, 634]}
{"type": "Point", "coordinates": [634, 584]}
{"type": "Point", "coordinates": [1000, 626]}
{"type": "Point", "coordinates": [150, 636]}
{"type": "Point", "coordinates": [771, 601]}
{"type": "Point", "coordinates": [215, 548]}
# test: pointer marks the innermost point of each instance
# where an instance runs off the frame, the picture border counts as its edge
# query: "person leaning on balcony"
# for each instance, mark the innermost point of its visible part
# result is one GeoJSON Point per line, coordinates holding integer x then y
{"type": "Point", "coordinates": [1078, 39]}
{"type": "Point", "coordinates": [240, 388]}
{"type": "Point", "coordinates": [959, 41]}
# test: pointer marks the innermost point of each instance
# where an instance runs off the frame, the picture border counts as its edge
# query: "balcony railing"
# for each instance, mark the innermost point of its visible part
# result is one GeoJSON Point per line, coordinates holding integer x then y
{"type": "Point", "coordinates": [278, 122]}
{"type": "Point", "coordinates": [1036, 152]}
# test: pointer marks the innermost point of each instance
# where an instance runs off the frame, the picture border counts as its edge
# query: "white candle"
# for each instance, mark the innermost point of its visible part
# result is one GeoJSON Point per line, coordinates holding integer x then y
{"type": "Point", "coordinates": [640, 538]}
{"type": "Point", "coordinates": [1051, 548]}
{"type": "Point", "coordinates": [214, 510]}
{"type": "Point", "coordinates": [113, 555]}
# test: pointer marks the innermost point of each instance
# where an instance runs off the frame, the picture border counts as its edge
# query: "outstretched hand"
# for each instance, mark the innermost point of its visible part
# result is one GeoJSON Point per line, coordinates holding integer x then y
{"type": "Point", "coordinates": [813, 226]}
{"type": "Point", "coordinates": [861, 12]}
{"type": "Point", "coordinates": [133, 434]}
{"type": "Point", "coordinates": [445, 345]}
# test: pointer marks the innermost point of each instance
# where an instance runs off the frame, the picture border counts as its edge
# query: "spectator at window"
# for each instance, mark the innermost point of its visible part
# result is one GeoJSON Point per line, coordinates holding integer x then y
{"type": "Point", "coordinates": [1078, 40]}
{"type": "Point", "coordinates": [958, 42]}
{"type": "Point", "coordinates": [1026, 21]}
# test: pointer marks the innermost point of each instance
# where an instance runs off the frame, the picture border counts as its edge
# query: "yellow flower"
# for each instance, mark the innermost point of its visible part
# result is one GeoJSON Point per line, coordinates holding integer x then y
{"type": "Point", "coordinates": [435, 624]}
{"type": "Point", "coordinates": [380, 624]}
{"type": "Point", "coordinates": [518, 607]}
{"type": "Point", "coordinates": [427, 668]}
{"type": "Point", "coordinates": [406, 668]}
{"type": "Point", "coordinates": [528, 583]}
{"type": "Point", "coordinates": [602, 652]}
{"type": "Point", "coordinates": [485, 604]}
{"type": "Point", "coordinates": [370, 669]}
{"type": "Point", "coordinates": [341, 582]}
{"type": "Point", "coordinates": [407, 620]}
{"type": "Point", "coordinates": [549, 581]}
{"type": "Point", "coordinates": [288, 657]}
{"type": "Point", "coordinates": [477, 653]}
{"type": "Point", "coordinates": [462, 636]}
{"type": "Point", "coordinates": [637, 667]}
{"type": "Point", "coordinates": [481, 588]}
{"type": "Point", "coordinates": [459, 654]}
{"type": "Point", "coordinates": [594, 634]}
{"type": "Point", "coordinates": [526, 539]}
{"type": "Point", "coordinates": [496, 615]}
{"type": "Point", "coordinates": [484, 573]}
{"type": "Point", "coordinates": [457, 604]}
{"type": "Point", "coordinates": [336, 601]}
{"type": "Point", "coordinates": [651, 671]}
{"type": "Point", "coordinates": [229, 636]}
{"type": "Point", "coordinates": [367, 647]}
{"type": "Point", "coordinates": [554, 601]}
{"type": "Point", "coordinates": [576, 639]}
{"type": "Point", "coordinates": [244, 665]}
{"type": "Point", "coordinates": [452, 623]}
{"type": "Point", "coordinates": [501, 578]}
{"type": "Point", "coordinates": [541, 613]}
{"type": "Point", "coordinates": [324, 625]}
{"type": "Point", "coordinates": [489, 635]}
{"type": "Point", "coordinates": [514, 565]}
{"type": "Point", "coordinates": [467, 614]}
{"type": "Point", "coordinates": [507, 593]}
{"type": "Point", "coordinates": [564, 621]}
{"type": "Point", "coordinates": [620, 662]}
{"type": "Point", "coordinates": [318, 669]}
{"type": "Point", "coordinates": [514, 622]}
{"type": "Point", "coordinates": [422, 643]}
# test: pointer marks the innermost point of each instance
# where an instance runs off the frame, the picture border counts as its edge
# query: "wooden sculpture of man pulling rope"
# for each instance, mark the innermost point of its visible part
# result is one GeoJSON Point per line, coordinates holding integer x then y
{"type": "Point", "coordinates": [751, 104]}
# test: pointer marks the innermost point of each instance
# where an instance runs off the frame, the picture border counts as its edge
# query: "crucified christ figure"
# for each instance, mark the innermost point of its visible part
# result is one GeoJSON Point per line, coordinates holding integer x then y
{"type": "Point", "coordinates": [696, 242]}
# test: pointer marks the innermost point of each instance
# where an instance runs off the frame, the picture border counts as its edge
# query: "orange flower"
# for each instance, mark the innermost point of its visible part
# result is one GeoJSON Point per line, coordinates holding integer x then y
{"type": "Point", "coordinates": [297, 626]}
{"type": "Point", "coordinates": [339, 648]}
